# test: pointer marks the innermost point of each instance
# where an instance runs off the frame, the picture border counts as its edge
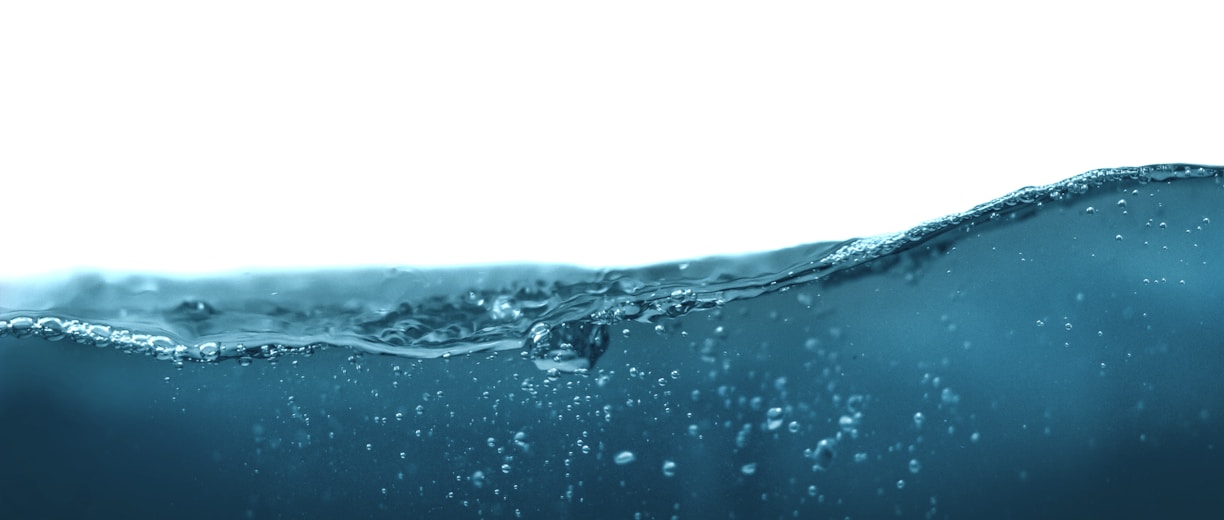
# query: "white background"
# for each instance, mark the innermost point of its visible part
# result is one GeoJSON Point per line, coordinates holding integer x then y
{"type": "Point", "coordinates": [221, 135]}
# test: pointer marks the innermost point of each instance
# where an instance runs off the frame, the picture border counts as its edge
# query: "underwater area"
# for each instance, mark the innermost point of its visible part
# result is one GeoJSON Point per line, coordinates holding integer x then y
{"type": "Point", "coordinates": [1054, 353]}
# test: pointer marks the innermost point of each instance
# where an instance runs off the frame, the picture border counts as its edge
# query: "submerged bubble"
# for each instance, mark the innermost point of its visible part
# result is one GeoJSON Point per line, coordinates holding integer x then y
{"type": "Point", "coordinates": [669, 468]}
{"type": "Point", "coordinates": [822, 456]}
{"type": "Point", "coordinates": [773, 419]}
{"type": "Point", "coordinates": [624, 457]}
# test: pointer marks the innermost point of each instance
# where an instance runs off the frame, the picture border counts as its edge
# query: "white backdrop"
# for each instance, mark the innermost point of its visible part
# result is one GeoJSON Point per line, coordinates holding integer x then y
{"type": "Point", "coordinates": [153, 135]}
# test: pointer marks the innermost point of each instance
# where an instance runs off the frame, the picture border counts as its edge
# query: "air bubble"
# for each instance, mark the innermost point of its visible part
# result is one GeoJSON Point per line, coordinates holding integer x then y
{"type": "Point", "coordinates": [210, 351]}
{"type": "Point", "coordinates": [22, 326]}
{"type": "Point", "coordinates": [624, 457]}
{"type": "Point", "coordinates": [669, 468]}
{"type": "Point", "coordinates": [823, 455]}
{"type": "Point", "coordinates": [919, 419]}
{"type": "Point", "coordinates": [915, 466]}
{"type": "Point", "coordinates": [749, 469]}
{"type": "Point", "coordinates": [51, 329]}
{"type": "Point", "coordinates": [773, 419]}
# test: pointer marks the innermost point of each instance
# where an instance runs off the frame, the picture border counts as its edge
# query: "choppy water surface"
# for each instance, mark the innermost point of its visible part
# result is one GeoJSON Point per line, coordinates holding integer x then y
{"type": "Point", "coordinates": [1053, 352]}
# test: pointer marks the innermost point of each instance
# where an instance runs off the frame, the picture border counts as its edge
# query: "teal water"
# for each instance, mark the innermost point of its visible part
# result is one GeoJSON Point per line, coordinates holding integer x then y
{"type": "Point", "coordinates": [1049, 353]}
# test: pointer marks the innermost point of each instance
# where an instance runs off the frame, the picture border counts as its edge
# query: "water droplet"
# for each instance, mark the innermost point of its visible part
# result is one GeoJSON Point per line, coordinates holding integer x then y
{"type": "Point", "coordinates": [624, 457]}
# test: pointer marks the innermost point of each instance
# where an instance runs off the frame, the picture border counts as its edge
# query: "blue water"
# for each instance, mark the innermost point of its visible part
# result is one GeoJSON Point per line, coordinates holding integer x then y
{"type": "Point", "coordinates": [1054, 353]}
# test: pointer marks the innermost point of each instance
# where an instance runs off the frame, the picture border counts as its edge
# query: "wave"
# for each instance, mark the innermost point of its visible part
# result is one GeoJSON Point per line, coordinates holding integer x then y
{"type": "Point", "coordinates": [559, 315]}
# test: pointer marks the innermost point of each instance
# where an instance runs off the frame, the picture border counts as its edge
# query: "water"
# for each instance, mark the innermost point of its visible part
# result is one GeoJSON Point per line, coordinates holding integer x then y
{"type": "Point", "coordinates": [1051, 353]}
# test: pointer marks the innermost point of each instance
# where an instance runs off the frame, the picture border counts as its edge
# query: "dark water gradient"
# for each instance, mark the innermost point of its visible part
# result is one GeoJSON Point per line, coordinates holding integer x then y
{"type": "Point", "coordinates": [1081, 347]}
